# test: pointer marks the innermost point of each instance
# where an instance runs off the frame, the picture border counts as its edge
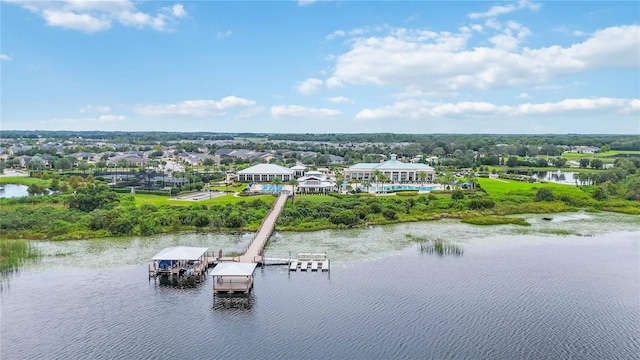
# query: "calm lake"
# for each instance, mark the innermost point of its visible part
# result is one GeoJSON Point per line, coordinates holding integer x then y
{"type": "Point", "coordinates": [566, 288]}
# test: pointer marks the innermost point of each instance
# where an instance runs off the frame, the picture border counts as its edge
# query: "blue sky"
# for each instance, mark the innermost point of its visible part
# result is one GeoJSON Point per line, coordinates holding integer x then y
{"type": "Point", "coordinates": [321, 66]}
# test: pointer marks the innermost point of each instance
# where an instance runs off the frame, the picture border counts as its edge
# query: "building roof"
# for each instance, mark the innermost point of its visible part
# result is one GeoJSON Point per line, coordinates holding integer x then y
{"type": "Point", "coordinates": [298, 167]}
{"type": "Point", "coordinates": [233, 269]}
{"type": "Point", "coordinates": [180, 253]}
{"type": "Point", "coordinates": [391, 165]}
{"type": "Point", "coordinates": [268, 169]}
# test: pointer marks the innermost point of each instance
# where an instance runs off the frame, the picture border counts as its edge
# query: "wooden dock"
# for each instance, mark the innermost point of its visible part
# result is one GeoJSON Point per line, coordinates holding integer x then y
{"type": "Point", "coordinates": [254, 252]}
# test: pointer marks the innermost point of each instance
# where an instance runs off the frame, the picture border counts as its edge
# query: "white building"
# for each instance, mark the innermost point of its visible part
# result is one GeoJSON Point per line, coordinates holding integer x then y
{"type": "Point", "coordinates": [315, 182]}
{"type": "Point", "coordinates": [393, 170]}
{"type": "Point", "coordinates": [265, 173]}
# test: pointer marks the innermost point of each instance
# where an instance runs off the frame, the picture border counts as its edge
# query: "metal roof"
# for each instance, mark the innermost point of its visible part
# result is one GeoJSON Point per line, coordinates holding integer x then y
{"type": "Point", "coordinates": [233, 269]}
{"type": "Point", "coordinates": [180, 253]}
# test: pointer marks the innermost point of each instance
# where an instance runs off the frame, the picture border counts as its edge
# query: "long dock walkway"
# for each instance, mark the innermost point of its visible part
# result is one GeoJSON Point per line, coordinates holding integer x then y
{"type": "Point", "coordinates": [255, 250]}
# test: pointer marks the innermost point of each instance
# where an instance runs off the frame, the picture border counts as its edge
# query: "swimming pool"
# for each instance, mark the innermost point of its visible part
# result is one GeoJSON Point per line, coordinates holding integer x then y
{"type": "Point", "coordinates": [271, 188]}
{"type": "Point", "coordinates": [398, 188]}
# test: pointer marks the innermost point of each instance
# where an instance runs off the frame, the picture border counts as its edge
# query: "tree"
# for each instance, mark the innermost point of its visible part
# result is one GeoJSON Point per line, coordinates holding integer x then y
{"type": "Point", "coordinates": [93, 196]}
{"type": "Point", "coordinates": [208, 162]}
{"type": "Point", "coordinates": [512, 162]}
{"type": "Point", "coordinates": [584, 162]}
{"type": "Point", "coordinates": [597, 164]}
{"type": "Point", "coordinates": [471, 179]}
{"type": "Point", "coordinates": [559, 161]}
{"type": "Point", "coordinates": [540, 162]}
{"type": "Point", "coordinates": [367, 185]}
{"type": "Point", "coordinates": [422, 176]}
{"type": "Point", "coordinates": [605, 148]}
{"type": "Point", "coordinates": [544, 194]}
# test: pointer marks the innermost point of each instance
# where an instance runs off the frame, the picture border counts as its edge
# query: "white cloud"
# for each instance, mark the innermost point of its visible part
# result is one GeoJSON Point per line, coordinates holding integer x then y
{"type": "Point", "coordinates": [442, 61]}
{"type": "Point", "coordinates": [505, 9]}
{"type": "Point", "coordinates": [195, 108]}
{"type": "Point", "coordinates": [301, 112]}
{"type": "Point", "coordinates": [309, 86]}
{"type": "Point", "coordinates": [423, 109]}
{"type": "Point", "coordinates": [94, 108]}
{"type": "Point", "coordinates": [224, 34]}
{"type": "Point", "coordinates": [99, 119]}
{"type": "Point", "coordinates": [178, 11]}
{"type": "Point", "coordinates": [339, 100]}
{"type": "Point", "coordinates": [523, 96]}
{"type": "Point", "coordinates": [91, 16]}
{"type": "Point", "coordinates": [4, 57]}
{"type": "Point", "coordinates": [73, 21]}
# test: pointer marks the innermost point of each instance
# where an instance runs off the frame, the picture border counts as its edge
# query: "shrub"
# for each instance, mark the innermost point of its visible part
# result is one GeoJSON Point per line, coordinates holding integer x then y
{"type": "Point", "coordinates": [544, 194]}
{"type": "Point", "coordinates": [457, 194]}
{"type": "Point", "coordinates": [477, 204]}
{"type": "Point", "coordinates": [389, 214]}
{"type": "Point", "coordinates": [345, 217]}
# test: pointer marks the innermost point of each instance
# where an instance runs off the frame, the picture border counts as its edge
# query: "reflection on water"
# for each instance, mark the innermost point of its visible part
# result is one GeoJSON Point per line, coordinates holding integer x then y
{"type": "Point", "coordinates": [560, 177]}
{"type": "Point", "coordinates": [13, 190]}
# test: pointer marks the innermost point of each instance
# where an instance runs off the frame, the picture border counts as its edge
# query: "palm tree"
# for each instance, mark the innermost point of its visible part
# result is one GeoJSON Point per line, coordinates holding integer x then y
{"type": "Point", "coordinates": [471, 179]}
{"type": "Point", "coordinates": [366, 184]}
{"type": "Point", "coordinates": [422, 176]}
{"type": "Point", "coordinates": [293, 183]}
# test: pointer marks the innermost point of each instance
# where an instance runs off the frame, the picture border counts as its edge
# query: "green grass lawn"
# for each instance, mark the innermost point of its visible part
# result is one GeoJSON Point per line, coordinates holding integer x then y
{"type": "Point", "coordinates": [159, 200]}
{"type": "Point", "coordinates": [502, 187]}
{"type": "Point", "coordinates": [315, 199]}
{"type": "Point", "coordinates": [609, 155]}
{"type": "Point", "coordinates": [24, 180]}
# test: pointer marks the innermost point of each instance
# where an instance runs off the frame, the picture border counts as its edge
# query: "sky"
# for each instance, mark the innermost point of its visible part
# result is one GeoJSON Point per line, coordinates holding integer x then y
{"type": "Point", "coordinates": [321, 66]}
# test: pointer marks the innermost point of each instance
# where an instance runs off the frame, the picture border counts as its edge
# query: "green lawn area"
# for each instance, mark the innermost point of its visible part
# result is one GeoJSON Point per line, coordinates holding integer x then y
{"type": "Point", "coordinates": [609, 155]}
{"type": "Point", "coordinates": [315, 199]}
{"type": "Point", "coordinates": [24, 180]}
{"type": "Point", "coordinates": [502, 187]}
{"type": "Point", "coordinates": [159, 200]}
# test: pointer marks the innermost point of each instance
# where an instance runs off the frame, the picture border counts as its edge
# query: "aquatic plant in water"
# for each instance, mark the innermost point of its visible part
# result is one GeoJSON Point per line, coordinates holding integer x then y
{"type": "Point", "coordinates": [437, 246]}
{"type": "Point", "coordinates": [14, 252]}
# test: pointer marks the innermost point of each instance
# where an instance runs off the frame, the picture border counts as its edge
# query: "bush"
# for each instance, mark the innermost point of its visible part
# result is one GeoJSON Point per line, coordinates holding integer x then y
{"type": "Point", "coordinates": [457, 194]}
{"type": "Point", "coordinates": [544, 194]}
{"type": "Point", "coordinates": [600, 194]}
{"type": "Point", "coordinates": [389, 214]}
{"type": "Point", "coordinates": [344, 217]}
{"type": "Point", "coordinates": [478, 204]}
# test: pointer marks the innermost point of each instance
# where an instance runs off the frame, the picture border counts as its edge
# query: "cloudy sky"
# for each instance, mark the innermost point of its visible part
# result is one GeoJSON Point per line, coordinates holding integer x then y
{"type": "Point", "coordinates": [321, 66]}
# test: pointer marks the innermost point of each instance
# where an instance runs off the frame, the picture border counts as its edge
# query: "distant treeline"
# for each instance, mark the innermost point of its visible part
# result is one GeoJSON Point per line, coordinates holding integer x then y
{"type": "Point", "coordinates": [472, 141]}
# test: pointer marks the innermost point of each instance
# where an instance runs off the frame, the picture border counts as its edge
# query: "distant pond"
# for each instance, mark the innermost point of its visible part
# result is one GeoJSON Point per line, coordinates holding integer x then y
{"type": "Point", "coordinates": [560, 177]}
{"type": "Point", "coordinates": [13, 190]}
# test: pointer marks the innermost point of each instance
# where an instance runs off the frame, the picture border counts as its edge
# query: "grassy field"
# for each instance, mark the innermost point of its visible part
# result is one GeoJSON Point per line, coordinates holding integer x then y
{"type": "Point", "coordinates": [502, 187]}
{"type": "Point", "coordinates": [609, 155]}
{"type": "Point", "coordinates": [159, 200]}
{"type": "Point", "coordinates": [24, 180]}
{"type": "Point", "coordinates": [315, 198]}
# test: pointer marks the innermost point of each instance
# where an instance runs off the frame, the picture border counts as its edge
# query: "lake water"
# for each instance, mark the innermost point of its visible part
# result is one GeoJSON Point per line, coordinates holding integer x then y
{"type": "Point", "coordinates": [515, 293]}
{"type": "Point", "coordinates": [13, 190]}
{"type": "Point", "coordinates": [560, 177]}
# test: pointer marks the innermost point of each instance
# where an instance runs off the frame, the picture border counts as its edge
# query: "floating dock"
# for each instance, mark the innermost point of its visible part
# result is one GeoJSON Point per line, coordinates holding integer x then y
{"type": "Point", "coordinates": [309, 262]}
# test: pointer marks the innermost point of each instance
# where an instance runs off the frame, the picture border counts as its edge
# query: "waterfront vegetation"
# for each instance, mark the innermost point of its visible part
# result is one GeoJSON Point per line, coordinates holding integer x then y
{"type": "Point", "coordinates": [14, 252]}
{"type": "Point", "coordinates": [93, 210]}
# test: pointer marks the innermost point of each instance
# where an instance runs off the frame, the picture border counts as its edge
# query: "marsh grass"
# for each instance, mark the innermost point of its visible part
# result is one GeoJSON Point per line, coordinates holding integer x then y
{"type": "Point", "coordinates": [436, 246]}
{"type": "Point", "coordinates": [495, 220]}
{"type": "Point", "coordinates": [14, 253]}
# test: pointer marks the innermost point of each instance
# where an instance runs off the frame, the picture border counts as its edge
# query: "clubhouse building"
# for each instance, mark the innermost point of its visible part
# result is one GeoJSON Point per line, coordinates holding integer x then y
{"type": "Point", "coordinates": [393, 170]}
{"type": "Point", "coordinates": [265, 173]}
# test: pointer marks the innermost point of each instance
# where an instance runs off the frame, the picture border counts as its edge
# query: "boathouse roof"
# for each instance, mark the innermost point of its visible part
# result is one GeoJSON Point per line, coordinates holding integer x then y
{"type": "Point", "coordinates": [233, 269]}
{"type": "Point", "coordinates": [180, 253]}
